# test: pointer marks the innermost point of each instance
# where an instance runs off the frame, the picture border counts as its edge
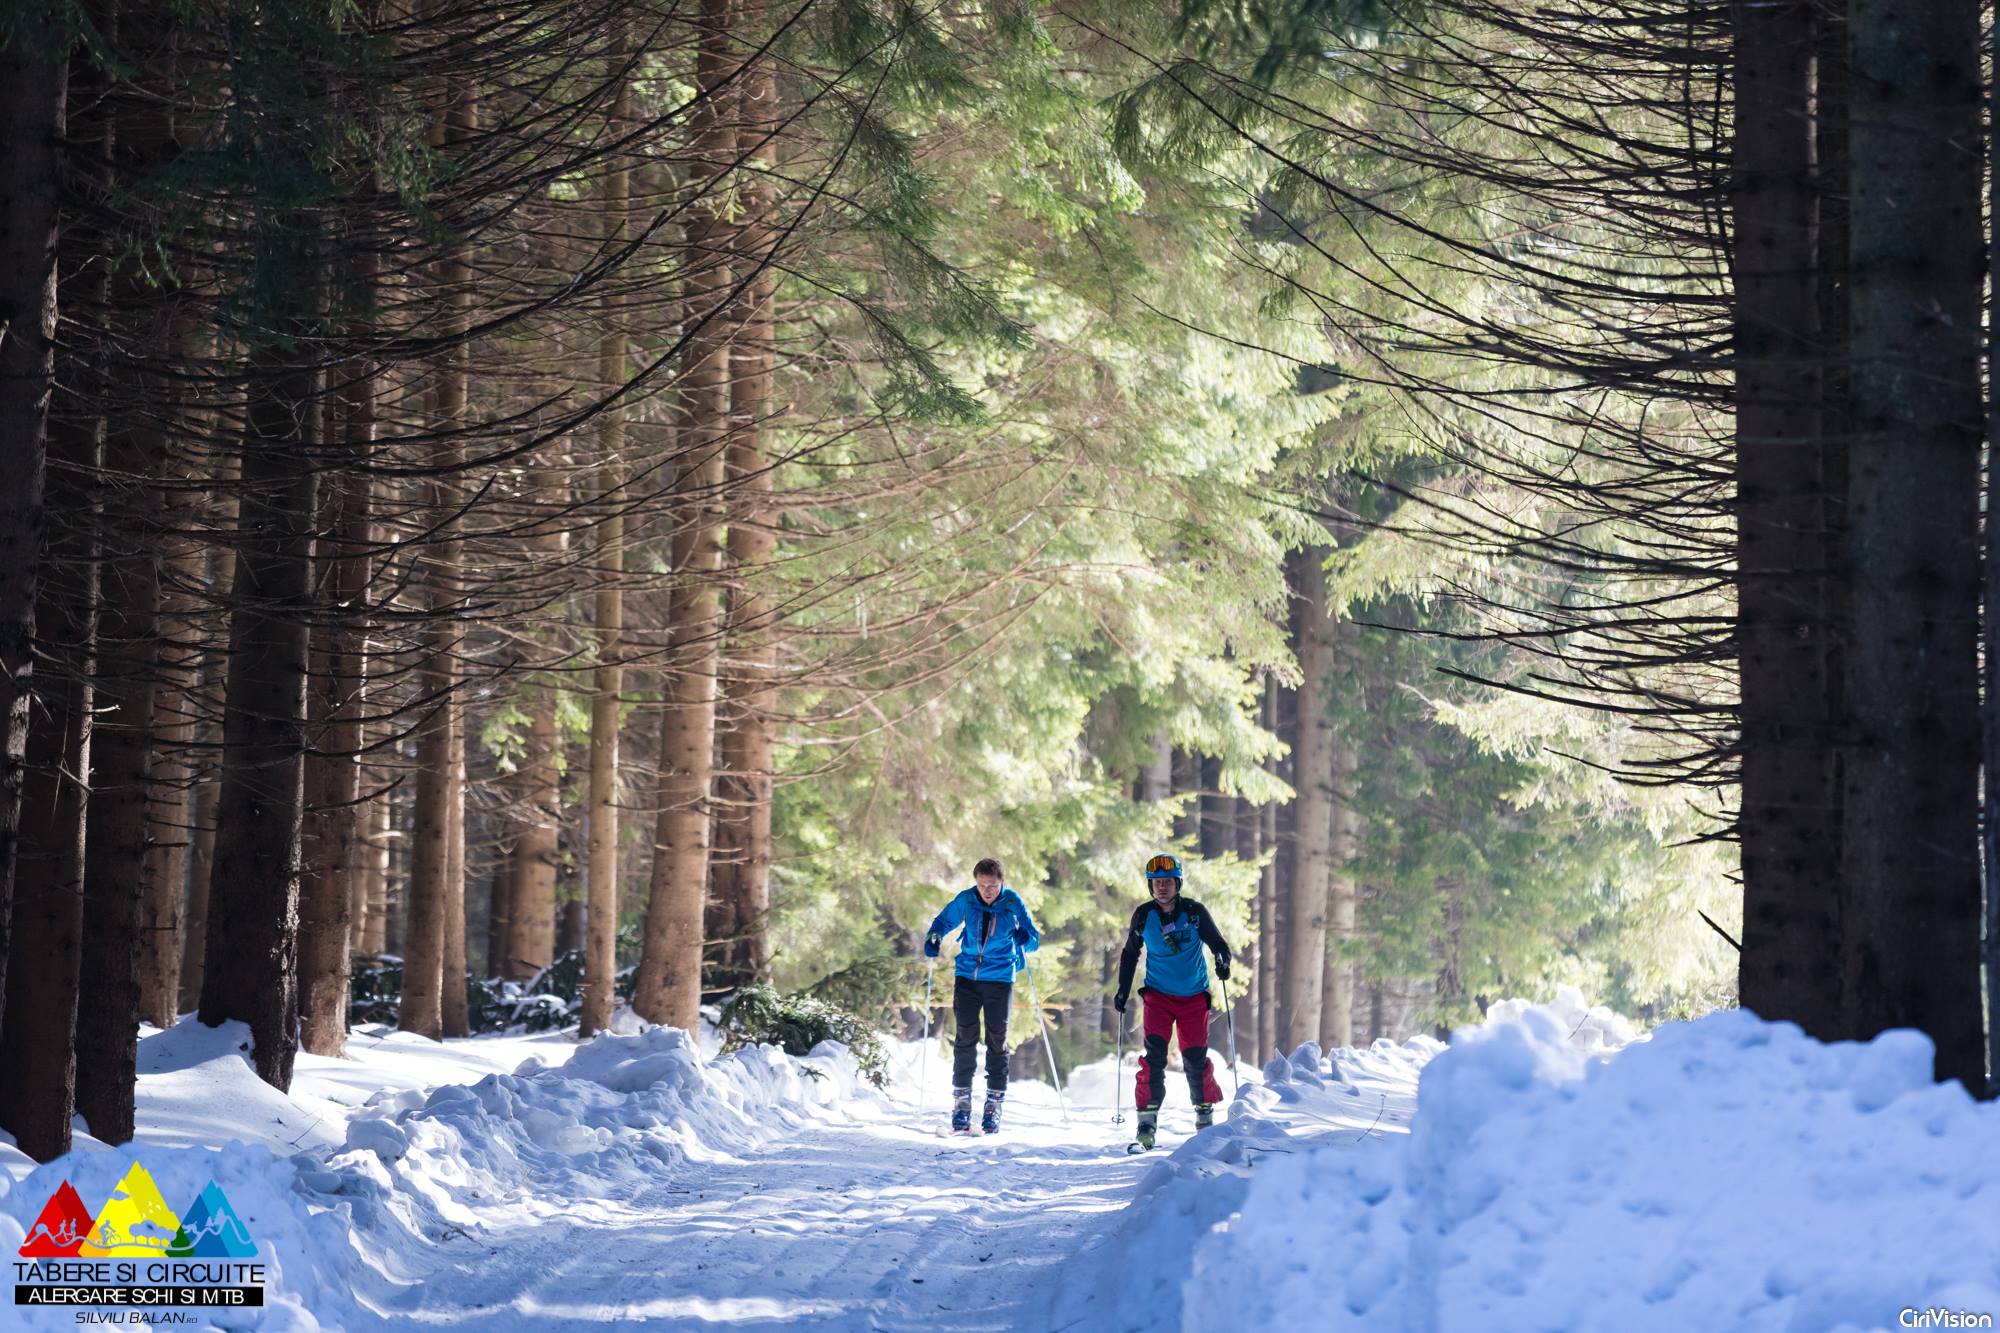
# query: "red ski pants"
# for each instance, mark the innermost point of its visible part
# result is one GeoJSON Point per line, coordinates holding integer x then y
{"type": "Point", "coordinates": [1164, 1013]}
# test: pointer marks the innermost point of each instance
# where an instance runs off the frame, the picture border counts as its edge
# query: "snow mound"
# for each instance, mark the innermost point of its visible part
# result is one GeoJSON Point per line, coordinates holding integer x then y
{"type": "Point", "coordinates": [1726, 1174]}
{"type": "Point", "coordinates": [303, 1249]}
{"type": "Point", "coordinates": [1351, 1097]}
{"type": "Point", "coordinates": [189, 1073]}
{"type": "Point", "coordinates": [623, 1104]}
{"type": "Point", "coordinates": [422, 1177]}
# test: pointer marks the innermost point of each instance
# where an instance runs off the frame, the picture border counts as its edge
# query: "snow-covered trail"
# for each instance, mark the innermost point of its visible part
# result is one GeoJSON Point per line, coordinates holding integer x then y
{"type": "Point", "coordinates": [870, 1225]}
{"type": "Point", "coordinates": [745, 1209]}
{"type": "Point", "coordinates": [1563, 1174]}
{"type": "Point", "coordinates": [537, 1183]}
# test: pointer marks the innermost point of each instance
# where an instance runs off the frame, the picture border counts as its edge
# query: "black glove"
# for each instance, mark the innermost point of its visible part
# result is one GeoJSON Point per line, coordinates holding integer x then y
{"type": "Point", "coordinates": [1118, 1002]}
{"type": "Point", "coordinates": [1222, 967]}
{"type": "Point", "coordinates": [1020, 934]}
{"type": "Point", "coordinates": [931, 943]}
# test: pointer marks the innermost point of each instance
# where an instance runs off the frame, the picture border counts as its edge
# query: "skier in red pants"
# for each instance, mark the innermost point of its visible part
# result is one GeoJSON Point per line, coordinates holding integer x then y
{"type": "Point", "coordinates": [1172, 929]}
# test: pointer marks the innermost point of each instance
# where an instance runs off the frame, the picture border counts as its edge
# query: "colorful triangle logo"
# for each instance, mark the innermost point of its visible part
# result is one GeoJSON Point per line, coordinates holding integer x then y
{"type": "Point", "coordinates": [210, 1229]}
{"type": "Point", "coordinates": [60, 1229]}
{"type": "Point", "coordinates": [134, 1223]}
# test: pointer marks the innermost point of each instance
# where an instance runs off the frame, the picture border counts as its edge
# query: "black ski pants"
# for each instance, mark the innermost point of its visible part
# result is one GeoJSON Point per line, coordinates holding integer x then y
{"type": "Point", "coordinates": [970, 999]}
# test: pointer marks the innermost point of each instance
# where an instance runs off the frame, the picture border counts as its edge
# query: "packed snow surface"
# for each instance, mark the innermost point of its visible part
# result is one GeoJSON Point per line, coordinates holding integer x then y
{"type": "Point", "coordinates": [1547, 1170]}
{"type": "Point", "coordinates": [1727, 1174]}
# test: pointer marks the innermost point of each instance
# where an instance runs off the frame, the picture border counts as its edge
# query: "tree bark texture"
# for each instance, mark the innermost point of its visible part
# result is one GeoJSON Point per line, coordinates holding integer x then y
{"type": "Point", "coordinates": [668, 989]}
{"type": "Point", "coordinates": [600, 952]}
{"type": "Point", "coordinates": [532, 925]}
{"type": "Point", "coordinates": [372, 922]}
{"type": "Point", "coordinates": [37, 1048]}
{"type": "Point", "coordinates": [426, 981]}
{"type": "Point", "coordinates": [251, 969]}
{"type": "Point", "coordinates": [744, 789]}
{"type": "Point", "coordinates": [34, 77]}
{"type": "Point", "coordinates": [1990, 642]}
{"type": "Point", "coordinates": [121, 776]}
{"type": "Point", "coordinates": [1343, 847]}
{"type": "Point", "coordinates": [453, 1002]}
{"type": "Point", "coordinates": [1306, 906]}
{"type": "Point", "coordinates": [164, 886]}
{"type": "Point", "coordinates": [1788, 965]}
{"type": "Point", "coordinates": [333, 771]}
{"type": "Point", "coordinates": [1911, 911]}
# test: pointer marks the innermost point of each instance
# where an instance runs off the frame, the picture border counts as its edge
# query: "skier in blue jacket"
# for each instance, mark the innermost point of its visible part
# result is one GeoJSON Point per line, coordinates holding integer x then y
{"type": "Point", "coordinates": [998, 932]}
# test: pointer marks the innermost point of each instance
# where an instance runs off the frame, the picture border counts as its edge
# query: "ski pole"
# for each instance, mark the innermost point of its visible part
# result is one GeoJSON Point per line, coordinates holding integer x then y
{"type": "Point", "coordinates": [924, 1050]}
{"type": "Point", "coordinates": [1229, 1018]}
{"type": "Point", "coordinates": [1118, 1077]}
{"type": "Point", "coordinates": [1047, 1047]}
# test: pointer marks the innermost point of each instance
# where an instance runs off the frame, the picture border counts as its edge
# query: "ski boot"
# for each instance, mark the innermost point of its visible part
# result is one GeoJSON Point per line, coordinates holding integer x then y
{"type": "Point", "coordinates": [1204, 1114]}
{"type": "Point", "coordinates": [961, 1110]}
{"type": "Point", "coordinates": [1143, 1142]}
{"type": "Point", "coordinates": [989, 1120]}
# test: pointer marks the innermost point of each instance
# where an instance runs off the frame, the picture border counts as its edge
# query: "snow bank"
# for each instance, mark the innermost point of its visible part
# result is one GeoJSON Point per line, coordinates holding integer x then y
{"type": "Point", "coordinates": [303, 1248]}
{"type": "Point", "coordinates": [1725, 1174]}
{"type": "Point", "coordinates": [352, 1230]}
{"type": "Point", "coordinates": [1123, 1282]}
{"type": "Point", "coordinates": [422, 1168]}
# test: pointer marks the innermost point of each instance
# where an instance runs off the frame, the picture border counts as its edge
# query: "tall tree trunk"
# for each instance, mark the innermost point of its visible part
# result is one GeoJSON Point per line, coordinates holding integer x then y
{"type": "Point", "coordinates": [531, 933]}
{"type": "Point", "coordinates": [373, 920]}
{"type": "Point", "coordinates": [211, 672]}
{"type": "Point", "coordinates": [454, 1000]}
{"type": "Point", "coordinates": [1218, 812]}
{"type": "Point", "coordinates": [136, 140]}
{"type": "Point", "coordinates": [421, 1008]}
{"type": "Point", "coordinates": [1279, 827]}
{"type": "Point", "coordinates": [395, 859]}
{"type": "Point", "coordinates": [1343, 845]}
{"type": "Point", "coordinates": [1249, 846]}
{"type": "Point", "coordinates": [1788, 968]}
{"type": "Point", "coordinates": [333, 772]}
{"type": "Point", "coordinates": [37, 1048]}
{"type": "Point", "coordinates": [115, 846]}
{"type": "Point", "coordinates": [202, 802]}
{"type": "Point", "coordinates": [743, 802]}
{"type": "Point", "coordinates": [500, 900]}
{"type": "Point", "coordinates": [121, 770]}
{"type": "Point", "coordinates": [164, 882]}
{"type": "Point", "coordinates": [426, 983]}
{"type": "Point", "coordinates": [1990, 622]}
{"type": "Point", "coordinates": [668, 989]}
{"type": "Point", "coordinates": [600, 954]}
{"type": "Point", "coordinates": [500, 891]}
{"type": "Point", "coordinates": [251, 971]}
{"type": "Point", "coordinates": [1156, 779]}
{"type": "Point", "coordinates": [160, 322]}
{"type": "Point", "coordinates": [569, 924]}
{"type": "Point", "coordinates": [34, 77]}
{"type": "Point", "coordinates": [1186, 772]}
{"type": "Point", "coordinates": [1306, 907]}
{"type": "Point", "coordinates": [1911, 914]}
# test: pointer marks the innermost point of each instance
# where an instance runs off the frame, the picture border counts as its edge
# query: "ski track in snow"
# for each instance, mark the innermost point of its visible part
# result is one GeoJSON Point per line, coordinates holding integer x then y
{"type": "Point", "coordinates": [874, 1224]}
{"type": "Point", "coordinates": [531, 1183]}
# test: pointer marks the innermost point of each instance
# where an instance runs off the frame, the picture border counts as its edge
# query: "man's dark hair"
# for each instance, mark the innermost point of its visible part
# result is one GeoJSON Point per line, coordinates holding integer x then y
{"type": "Point", "coordinates": [988, 865]}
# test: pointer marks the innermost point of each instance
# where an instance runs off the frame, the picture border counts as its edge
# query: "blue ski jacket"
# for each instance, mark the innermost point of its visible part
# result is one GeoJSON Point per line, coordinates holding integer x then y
{"type": "Point", "coordinates": [995, 937]}
{"type": "Point", "coordinates": [1172, 941]}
